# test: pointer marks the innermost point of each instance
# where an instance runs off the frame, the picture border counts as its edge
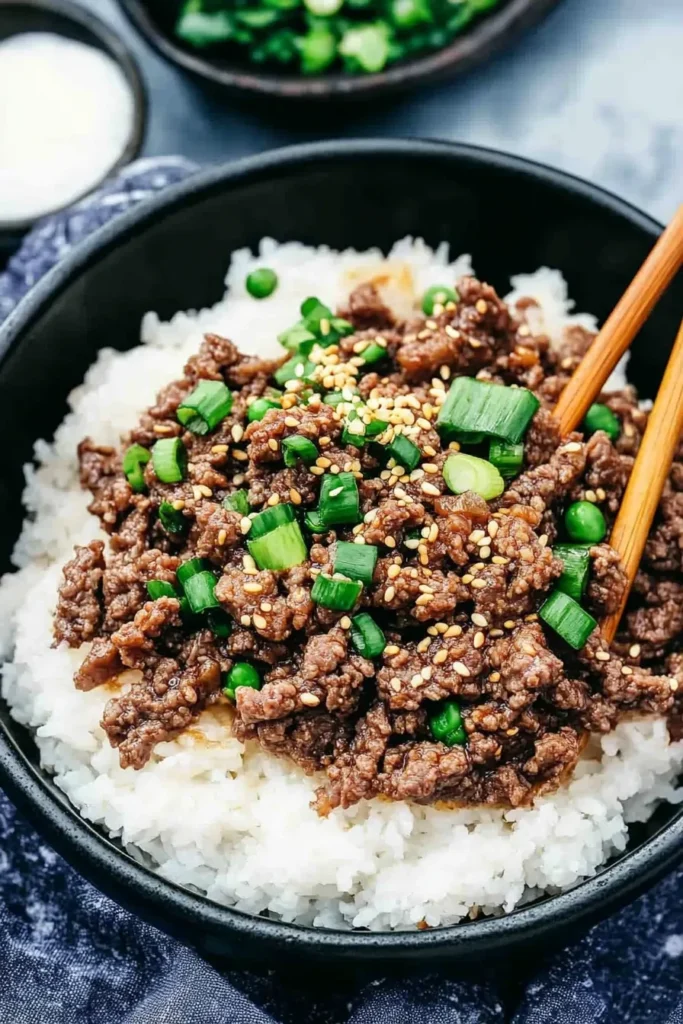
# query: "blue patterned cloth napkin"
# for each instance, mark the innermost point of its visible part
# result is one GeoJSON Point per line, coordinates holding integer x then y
{"type": "Point", "coordinates": [69, 955]}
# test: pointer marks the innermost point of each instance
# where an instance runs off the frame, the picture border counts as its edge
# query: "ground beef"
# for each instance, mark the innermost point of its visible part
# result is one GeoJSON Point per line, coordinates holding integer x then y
{"type": "Point", "coordinates": [456, 587]}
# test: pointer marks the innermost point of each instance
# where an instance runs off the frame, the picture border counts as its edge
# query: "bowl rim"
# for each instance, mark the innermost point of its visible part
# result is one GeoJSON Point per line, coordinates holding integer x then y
{"type": "Point", "coordinates": [479, 42]}
{"type": "Point", "coordinates": [111, 43]}
{"type": "Point", "coordinates": [96, 854]}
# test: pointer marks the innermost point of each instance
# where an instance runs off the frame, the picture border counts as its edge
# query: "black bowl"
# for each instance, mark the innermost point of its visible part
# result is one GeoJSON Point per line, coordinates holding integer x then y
{"type": "Point", "coordinates": [70, 20]}
{"type": "Point", "coordinates": [171, 254]}
{"type": "Point", "coordinates": [155, 19]}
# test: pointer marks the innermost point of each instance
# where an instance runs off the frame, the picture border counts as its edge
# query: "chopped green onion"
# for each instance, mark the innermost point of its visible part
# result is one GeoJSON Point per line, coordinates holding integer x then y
{"type": "Point", "coordinates": [569, 620]}
{"type": "Point", "coordinates": [339, 499]}
{"type": "Point", "coordinates": [576, 559]}
{"type": "Point", "coordinates": [506, 457]}
{"type": "Point", "coordinates": [314, 522]}
{"type": "Point", "coordinates": [204, 408]}
{"type": "Point", "coordinates": [317, 49]}
{"type": "Point", "coordinates": [404, 451]}
{"type": "Point", "coordinates": [468, 473]}
{"type": "Point", "coordinates": [199, 591]}
{"type": "Point", "coordinates": [601, 417]}
{"type": "Point", "coordinates": [314, 313]}
{"type": "Point", "coordinates": [169, 458]}
{"type": "Point", "coordinates": [366, 47]}
{"type": "Point", "coordinates": [134, 460]}
{"type": "Point", "coordinates": [494, 409]}
{"type": "Point", "coordinates": [261, 283]}
{"type": "Point", "coordinates": [336, 398]}
{"type": "Point", "coordinates": [241, 674]}
{"type": "Point", "coordinates": [280, 549]}
{"type": "Point", "coordinates": [372, 353]}
{"type": "Point", "coordinates": [269, 520]}
{"type": "Point", "coordinates": [219, 622]}
{"type": "Point", "coordinates": [357, 561]}
{"type": "Point", "coordinates": [160, 588]}
{"type": "Point", "coordinates": [376, 427]}
{"type": "Point", "coordinates": [323, 8]}
{"type": "Point", "coordinates": [298, 449]}
{"type": "Point", "coordinates": [296, 368]}
{"type": "Point", "coordinates": [171, 519]}
{"type": "Point", "coordinates": [190, 568]}
{"type": "Point", "coordinates": [238, 501]}
{"type": "Point", "coordinates": [339, 595]}
{"type": "Point", "coordinates": [257, 409]}
{"type": "Point", "coordinates": [297, 339]}
{"type": "Point", "coordinates": [446, 725]}
{"type": "Point", "coordinates": [438, 295]}
{"type": "Point", "coordinates": [585, 522]}
{"type": "Point", "coordinates": [366, 636]}
{"type": "Point", "coordinates": [354, 430]}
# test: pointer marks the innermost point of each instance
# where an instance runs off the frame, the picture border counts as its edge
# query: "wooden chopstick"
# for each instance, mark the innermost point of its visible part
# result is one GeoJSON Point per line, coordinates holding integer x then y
{"type": "Point", "coordinates": [621, 327]}
{"type": "Point", "coordinates": [649, 474]}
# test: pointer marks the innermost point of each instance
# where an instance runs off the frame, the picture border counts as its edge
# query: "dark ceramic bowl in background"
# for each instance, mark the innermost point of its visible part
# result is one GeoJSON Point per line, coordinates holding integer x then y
{"type": "Point", "coordinates": [156, 19]}
{"type": "Point", "coordinates": [70, 20]}
{"type": "Point", "coordinates": [172, 254]}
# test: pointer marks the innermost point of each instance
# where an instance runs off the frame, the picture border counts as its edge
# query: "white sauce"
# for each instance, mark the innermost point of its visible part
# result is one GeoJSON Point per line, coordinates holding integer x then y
{"type": "Point", "coordinates": [66, 111]}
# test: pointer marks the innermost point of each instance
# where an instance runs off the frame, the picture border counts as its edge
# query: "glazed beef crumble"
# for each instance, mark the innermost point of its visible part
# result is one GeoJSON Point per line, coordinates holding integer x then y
{"type": "Point", "coordinates": [456, 588]}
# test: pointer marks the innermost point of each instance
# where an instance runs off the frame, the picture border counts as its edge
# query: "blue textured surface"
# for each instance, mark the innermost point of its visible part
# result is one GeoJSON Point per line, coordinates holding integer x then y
{"type": "Point", "coordinates": [69, 955]}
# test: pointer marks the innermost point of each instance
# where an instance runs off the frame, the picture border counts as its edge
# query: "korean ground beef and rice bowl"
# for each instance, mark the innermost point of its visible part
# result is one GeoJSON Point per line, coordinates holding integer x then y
{"type": "Point", "coordinates": [314, 627]}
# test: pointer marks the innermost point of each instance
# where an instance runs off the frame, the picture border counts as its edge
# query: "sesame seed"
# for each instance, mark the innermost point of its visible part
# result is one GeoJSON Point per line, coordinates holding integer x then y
{"type": "Point", "coordinates": [310, 700]}
{"type": "Point", "coordinates": [478, 584]}
{"type": "Point", "coordinates": [485, 551]}
{"type": "Point", "coordinates": [634, 650]}
{"type": "Point", "coordinates": [440, 657]}
{"type": "Point", "coordinates": [427, 488]}
{"type": "Point", "coordinates": [453, 631]}
{"type": "Point", "coordinates": [428, 450]}
{"type": "Point", "coordinates": [602, 656]}
{"type": "Point", "coordinates": [626, 670]}
{"type": "Point", "coordinates": [392, 649]}
{"type": "Point", "coordinates": [389, 593]}
{"type": "Point", "coordinates": [495, 677]}
{"type": "Point", "coordinates": [272, 444]}
{"type": "Point", "coordinates": [253, 588]}
{"type": "Point", "coordinates": [416, 680]}
{"type": "Point", "coordinates": [295, 496]}
{"type": "Point", "coordinates": [496, 632]}
{"type": "Point", "coordinates": [266, 606]}
{"type": "Point", "coordinates": [479, 620]}
{"type": "Point", "coordinates": [492, 528]}
{"type": "Point", "coordinates": [291, 421]}
{"type": "Point", "coordinates": [345, 622]}
{"type": "Point", "coordinates": [480, 306]}
{"type": "Point", "coordinates": [601, 494]}
{"type": "Point", "coordinates": [426, 672]}
{"type": "Point", "coordinates": [245, 524]}
{"type": "Point", "coordinates": [509, 623]}
{"type": "Point", "coordinates": [424, 599]}
{"type": "Point", "coordinates": [237, 432]}
{"type": "Point", "coordinates": [395, 684]}
{"type": "Point", "coordinates": [390, 541]}
{"type": "Point", "coordinates": [259, 621]}
{"type": "Point", "coordinates": [219, 449]}
{"type": "Point", "coordinates": [499, 560]}
{"type": "Point", "coordinates": [476, 536]}
{"type": "Point", "coordinates": [239, 455]}
{"type": "Point", "coordinates": [222, 537]}
{"type": "Point", "coordinates": [423, 645]}
{"type": "Point", "coordinates": [467, 578]}
{"type": "Point", "coordinates": [573, 446]}
{"type": "Point", "coordinates": [178, 505]}
{"type": "Point", "coordinates": [334, 470]}
{"type": "Point", "coordinates": [245, 620]}
{"type": "Point", "coordinates": [393, 571]}
{"type": "Point", "coordinates": [162, 428]}
{"type": "Point", "coordinates": [316, 470]}
{"type": "Point", "coordinates": [530, 650]}
{"type": "Point", "coordinates": [196, 492]}
{"type": "Point", "coordinates": [461, 669]}
{"type": "Point", "coordinates": [323, 462]}
{"type": "Point", "coordinates": [479, 639]}
{"type": "Point", "coordinates": [673, 683]}
{"type": "Point", "coordinates": [445, 372]}
{"type": "Point", "coordinates": [274, 499]}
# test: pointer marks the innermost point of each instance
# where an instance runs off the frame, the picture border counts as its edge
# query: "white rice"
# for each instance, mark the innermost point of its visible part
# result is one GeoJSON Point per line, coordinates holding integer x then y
{"type": "Point", "coordinates": [236, 823]}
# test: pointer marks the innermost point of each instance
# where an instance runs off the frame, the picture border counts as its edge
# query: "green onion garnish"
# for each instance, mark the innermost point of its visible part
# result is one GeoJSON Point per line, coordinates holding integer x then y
{"type": "Point", "coordinates": [339, 595]}
{"type": "Point", "coordinates": [169, 458]}
{"type": "Point", "coordinates": [297, 339]}
{"type": "Point", "coordinates": [404, 452]}
{"type": "Point", "coordinates": [569, 620]}
{"type": "Point", "coordinates": [298, 449]}
{"type": "Point", "coordinates": [269, 520]}
{"type": "Point", "coordinates": [446, 725]}
{"type": "Point", "coordinates": [366, 636]}
{"type": "Point", "coordinates": [257, 409]}
{"type": "Point", "coordinates": [204, 408]}
{"type": "Point", "coordinates": [357, 561]}
{"type": "Point", "coordinates": [261, 283]}
{"type": "Point", "coordinates": [134, 460]}
{"type": "Point", "coordinates": [354, 430]}
{"type": "Point", "coordinates": [468, 473]}
{"type": "Point", "coordinates": [601, 417]}
{"type": "Point", "coordinates": [296, 368]}
{"type": "Point", "coordinates": [372, 353]}
{"type": "Point", "coordinates": [438, 295]}
{"type": "Point", "coordinates": [314, 522]}
{"type": "Point", "coordinates": [171, 519]}
{"type": "Point", "coordinates": [576, 559]}
{"type": "Point", "coordinates": [494, 409]}
{"type": "Point", "coordinates": [585, 522]}
{"type": "Point", "coordinates": [506, 457]}
{"type": "Point", "coordinates": [241, 674]}
{"type": "Point", "coordinates": [190, 568]}
{"type": "Point", "coordinates": [336, 398]}
{"type": "Point", "coordinates": [238, 501]}
{"type": "Point", "coordinates": [219, 622]}
{"type": "Point", "coordinates": [199, 591]}
{"type": "Point", "coordinates": [339, 499]}
{"type": "Point", "coordinates": [160, 588]}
